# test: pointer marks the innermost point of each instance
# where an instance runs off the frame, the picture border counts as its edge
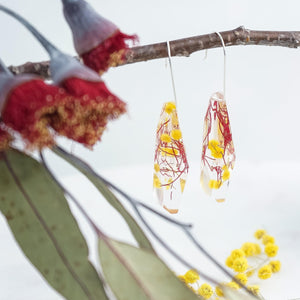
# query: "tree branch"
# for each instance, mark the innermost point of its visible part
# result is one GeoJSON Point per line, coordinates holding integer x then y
{"type": "Point", "coordinates": [187, 46]}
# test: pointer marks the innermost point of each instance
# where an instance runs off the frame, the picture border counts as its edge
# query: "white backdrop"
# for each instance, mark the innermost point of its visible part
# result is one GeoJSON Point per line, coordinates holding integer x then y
{"type": "Point", "coordinates": [263, 103]}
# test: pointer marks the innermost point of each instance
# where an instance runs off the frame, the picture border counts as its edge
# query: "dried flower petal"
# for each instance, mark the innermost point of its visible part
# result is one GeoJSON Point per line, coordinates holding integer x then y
{"type": "Point", "coordinates": [218, 155]}
{"type": "Point", "coordinates": [170, 163]}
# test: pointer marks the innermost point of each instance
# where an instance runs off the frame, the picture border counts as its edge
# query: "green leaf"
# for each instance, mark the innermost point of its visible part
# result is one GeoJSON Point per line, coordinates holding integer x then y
{"type": "Point", "coordinates": [43, 225]}
{"type": "Point", "coordinates": [135, 273]}
{"type": "Point", "coordinates": [135, 229]}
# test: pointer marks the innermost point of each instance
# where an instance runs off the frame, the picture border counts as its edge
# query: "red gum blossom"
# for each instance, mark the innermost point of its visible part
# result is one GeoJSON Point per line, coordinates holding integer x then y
{"type": "Point", "coordinates": [95, 96]}
{"type": "Point", "coordinates": [27, 109]}
{"type": "Point", "coordinates": [99, 58]}
{"type": "Point", "coordinates": [88, 110]}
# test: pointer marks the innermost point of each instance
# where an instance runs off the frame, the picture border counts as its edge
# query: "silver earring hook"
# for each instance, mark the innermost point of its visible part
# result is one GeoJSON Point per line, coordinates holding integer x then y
{"type": "Point", "coordinates": [224, 51]}
{"type": "Point", "coordinates": [171, 70]}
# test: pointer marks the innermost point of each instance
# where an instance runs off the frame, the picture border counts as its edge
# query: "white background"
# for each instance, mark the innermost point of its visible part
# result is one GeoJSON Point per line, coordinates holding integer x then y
{"type": "Point", "coordinates": [263, 103]}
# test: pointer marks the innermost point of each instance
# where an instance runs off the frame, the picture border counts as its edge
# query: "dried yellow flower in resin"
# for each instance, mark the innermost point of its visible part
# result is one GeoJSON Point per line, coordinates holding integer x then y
{"type": "Point", "coordinates": [218, 155]}
{"type": "Point", "coordinates": [170, 163]}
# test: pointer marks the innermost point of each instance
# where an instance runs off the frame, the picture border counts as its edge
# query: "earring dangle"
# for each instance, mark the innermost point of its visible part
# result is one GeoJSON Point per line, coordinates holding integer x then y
{"type": "Point", "coordinates": [218, 154]}
{"type": "Point", "coordinates": [170, 162]}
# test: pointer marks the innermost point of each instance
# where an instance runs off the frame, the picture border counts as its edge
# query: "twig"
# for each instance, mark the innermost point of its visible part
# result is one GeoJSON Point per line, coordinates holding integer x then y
{"type": "Point", "coordinates": [187, 46]}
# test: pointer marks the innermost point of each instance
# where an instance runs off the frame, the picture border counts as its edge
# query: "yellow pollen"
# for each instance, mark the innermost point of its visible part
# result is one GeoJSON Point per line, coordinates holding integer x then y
{"type": "Point", "coordinates": [176, 134]}
{"type": "Point", "coordinates": [156, 168]}
{"type": "Point", "coordinates": [169, 151]}
{"type": "Point", "coordinates": [156, 182]}
{"type": "Point", "coordinates": [165, 138]}
{"type": "Point", "coordinates": [182, 184]}
{"type": "Point", "coordinates": [214, 184]}
{"type": "Point", "coordinates": [169, 107]}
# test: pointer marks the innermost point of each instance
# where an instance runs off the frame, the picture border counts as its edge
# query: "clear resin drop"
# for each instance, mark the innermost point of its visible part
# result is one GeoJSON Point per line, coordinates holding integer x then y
{"type": "Point", "coordinates": [218, 155]}
{"type": "Point", "coordinates": [170, 163]}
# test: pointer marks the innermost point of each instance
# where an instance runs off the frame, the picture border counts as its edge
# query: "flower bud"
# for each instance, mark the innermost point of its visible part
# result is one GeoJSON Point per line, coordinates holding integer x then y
{"type": "Point", "coordinates": [98, 41]}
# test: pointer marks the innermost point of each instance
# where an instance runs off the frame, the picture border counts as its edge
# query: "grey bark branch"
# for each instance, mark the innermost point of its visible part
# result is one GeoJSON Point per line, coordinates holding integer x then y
{"type": "Point", "coordinates": [187, 46]}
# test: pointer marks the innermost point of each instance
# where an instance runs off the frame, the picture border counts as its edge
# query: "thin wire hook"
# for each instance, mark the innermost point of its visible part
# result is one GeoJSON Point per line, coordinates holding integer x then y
{"type": "Point", "coordinates": [223, 45]}
{"type": "Point", "coordinates": [171, 70]}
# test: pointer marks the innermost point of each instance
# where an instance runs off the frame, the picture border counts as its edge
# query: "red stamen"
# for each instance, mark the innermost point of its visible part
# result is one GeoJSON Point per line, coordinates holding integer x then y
{"type": "Point", "coordinates": [109, 53]}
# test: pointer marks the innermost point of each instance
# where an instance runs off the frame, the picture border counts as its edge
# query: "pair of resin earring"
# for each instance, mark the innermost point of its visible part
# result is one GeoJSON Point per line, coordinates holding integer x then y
{"type": "Point", "coordinates": [170, 161]}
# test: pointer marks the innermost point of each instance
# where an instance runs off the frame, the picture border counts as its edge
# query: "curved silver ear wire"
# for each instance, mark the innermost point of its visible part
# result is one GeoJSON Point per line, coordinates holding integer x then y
{"type": "Point", "coordinates": [171, 70]}
{"type": "Point", "coordinates": [224, 80]}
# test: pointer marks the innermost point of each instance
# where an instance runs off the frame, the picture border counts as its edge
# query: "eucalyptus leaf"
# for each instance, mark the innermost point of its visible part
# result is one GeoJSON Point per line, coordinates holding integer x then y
{"type": "Point", "coordinates": [135, 229]}
{"type": "Point", "coordinates": [138, 274]}
{"type": "Point", "coordinates": [40, 219]}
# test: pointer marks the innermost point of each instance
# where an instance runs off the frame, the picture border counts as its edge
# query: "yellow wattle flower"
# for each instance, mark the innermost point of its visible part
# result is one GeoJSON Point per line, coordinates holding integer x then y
{"type": "Point", "coordinates": [264, 272]}
{"type": "Point", "coordinates": [275, 265]}
{"type": "Point", "coordinates": [259, 233]}
{"type": "Point", "coordinates": [205, 290]}
{"type": "Point", "coordinates": [169, 107]}
{"type": "Point", "coordinates": [271, 249]}
{"type": "Point", "coordinates": [165, 138]}
{"type": "Point", "coordinates": [240, 264]}
{"type": "Point", "coordinates": [156, 168]}
{"type": "Point", "coordinates": [191, 276]}
{"type": "Point", "coordinates": [176, 134]}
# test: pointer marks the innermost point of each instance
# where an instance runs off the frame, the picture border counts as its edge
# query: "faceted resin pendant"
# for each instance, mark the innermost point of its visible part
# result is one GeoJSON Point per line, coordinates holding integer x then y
{"type": "Point", "coordinates": [170, 163]}
{"type": "Point", "coordinates": [218, 155]}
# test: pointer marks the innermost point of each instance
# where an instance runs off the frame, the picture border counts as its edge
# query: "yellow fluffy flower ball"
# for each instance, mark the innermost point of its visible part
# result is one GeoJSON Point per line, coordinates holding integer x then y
{"type": "Point", "coordinates": [264, 272]}
{"type": "Point", "coordinates": [271, 249]}
{"type": "Point", "coordinates": [266, 239]}
{"type": "Point", "coordinates": [248, 248]}
{"type": "Point", "coordinates": [237, 253]}
{"type": "Point", "coordinates": [214, 184]}
{"type": "Point", "coordinates": [229, 262]}
{"type": "Point", "coordinates": [156, 181]}
{"type": "Point", "coordinates": [226, 173]}
{"type": "Point", "coordinates": [156, 168]}
{"type": "Point", "coordinates": [257, 248]}
{"type": "Point", "coordinates": [240, 264]}
{"type": "Point", "coordinates": [259, 233]}
{"type": "Point", "coordinates": [242, 278]}
{"type": "Point", "coordinates": [205, 291]}
{"type": "Point", "coordinates": [176, 134]}
{"type": "Point", "coordinates": [191, 276]}
{"type": "Point", "coordinates": [165, 138]}
{"type": "Point", "coordinates": [275, 265]}
{"type": "Point", "coordinates": [169, 107]}
{"type": "Point", "coordinates": [216, 150]}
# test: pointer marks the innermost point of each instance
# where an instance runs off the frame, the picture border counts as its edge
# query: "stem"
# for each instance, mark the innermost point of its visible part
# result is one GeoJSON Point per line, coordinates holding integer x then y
{"type": "Point", "coordinates": [4, 69]}
{"type": "Point", "coordinates": [170, 250]}
{"type": "Point", "coordinates": [135, 205]}
{"type": "Point", "coordinates": [50, 48]}
{"type": "Point", "coordinates": [187, 46]}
